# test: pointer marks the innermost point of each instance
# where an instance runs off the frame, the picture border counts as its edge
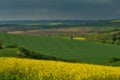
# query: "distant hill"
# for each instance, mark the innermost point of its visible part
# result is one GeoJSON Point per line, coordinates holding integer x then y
{"type": "Point", "coordinates": [47, 24]}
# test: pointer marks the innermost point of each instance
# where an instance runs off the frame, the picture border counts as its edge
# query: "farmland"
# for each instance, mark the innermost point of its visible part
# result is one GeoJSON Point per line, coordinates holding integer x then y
{"type": "Point", "coordinates": [59, 39]}
{"type": "Point", "coordinates": [69, 52]}
{"type": "Point", "coordinates": [79, 50]}
{"type": "Point", "coordinates": [9, 52]}
{"type": "Point", "coordinates": [27, 69]}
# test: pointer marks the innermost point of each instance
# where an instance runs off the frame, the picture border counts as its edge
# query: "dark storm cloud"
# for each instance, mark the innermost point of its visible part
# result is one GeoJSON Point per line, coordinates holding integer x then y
{"type": "Point", "coordinates": [59, 9]}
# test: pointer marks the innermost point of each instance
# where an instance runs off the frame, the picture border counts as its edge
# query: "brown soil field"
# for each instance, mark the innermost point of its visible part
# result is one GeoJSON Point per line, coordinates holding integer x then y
{"type": "Point", "coordinates": [74, 30]}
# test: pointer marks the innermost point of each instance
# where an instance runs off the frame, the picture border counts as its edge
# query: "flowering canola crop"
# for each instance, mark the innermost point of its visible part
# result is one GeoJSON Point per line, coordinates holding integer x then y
{"type": "Point", "coordinates": [78, 38]}
{"type": "Point", "coordinates": [28, 69]}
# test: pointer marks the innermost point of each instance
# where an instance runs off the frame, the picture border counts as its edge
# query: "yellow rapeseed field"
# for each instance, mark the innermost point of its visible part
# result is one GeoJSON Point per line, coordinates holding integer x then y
{"type": "Point", "coordinates": [27, 69]}
{"type": "Point", "coordinates": [78, 38]}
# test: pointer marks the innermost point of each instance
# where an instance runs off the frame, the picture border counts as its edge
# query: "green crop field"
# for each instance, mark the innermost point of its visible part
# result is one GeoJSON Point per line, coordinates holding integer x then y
{"type": "Point", "coordinates": [9, 52]}
{"type": "Point", "coordinates": [87, 51]}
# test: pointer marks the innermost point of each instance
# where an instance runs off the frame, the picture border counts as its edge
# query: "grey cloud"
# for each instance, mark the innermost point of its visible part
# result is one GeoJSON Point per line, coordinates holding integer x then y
{"type": "Point", "coordinates": [97, 1]}
{"type": "Point", "coordinates": [59, 9]}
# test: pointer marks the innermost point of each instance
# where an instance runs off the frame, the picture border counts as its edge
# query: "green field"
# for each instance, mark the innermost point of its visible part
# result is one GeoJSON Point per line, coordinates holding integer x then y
{"type": "Point", "coordinates": [86, 51]}
{"type": "Point", "coordinates": [8, 52]}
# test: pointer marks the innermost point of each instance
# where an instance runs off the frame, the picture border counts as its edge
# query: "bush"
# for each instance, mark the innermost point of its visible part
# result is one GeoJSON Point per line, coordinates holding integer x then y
{"type": "Point", "coordinates": [12, 46]}
{"type": "Point", "coordinates": [1, 45]}
{"type": "Point", "coordinates": [34, 55]}
{"type": "Point", "coordinates": [114, 60]}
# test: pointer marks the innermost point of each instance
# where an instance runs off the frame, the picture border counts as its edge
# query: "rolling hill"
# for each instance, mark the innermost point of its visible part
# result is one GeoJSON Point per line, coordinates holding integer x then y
{"type": "Point", "coordinates": [80, 50]}
{"type": "Point", "coordinates": [86, 51]}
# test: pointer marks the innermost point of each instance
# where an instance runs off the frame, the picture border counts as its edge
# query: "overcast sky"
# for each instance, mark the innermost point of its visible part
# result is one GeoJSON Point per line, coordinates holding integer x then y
{"type": "Point", "coordinates": [59, 9]}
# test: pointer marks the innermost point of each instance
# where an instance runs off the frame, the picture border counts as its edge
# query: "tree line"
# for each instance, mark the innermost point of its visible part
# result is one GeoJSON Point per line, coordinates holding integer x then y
{"type": "Point", "coordinates": [106, 37]}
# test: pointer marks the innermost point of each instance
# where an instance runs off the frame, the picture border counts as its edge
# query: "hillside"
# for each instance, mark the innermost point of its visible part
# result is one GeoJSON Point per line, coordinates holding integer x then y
{"type": "Point", "coordinates": [8, 52]}
{"type": "Point", "coordinates": [26, 69]}
{"type": "Point", "coordinates": [85, 51]}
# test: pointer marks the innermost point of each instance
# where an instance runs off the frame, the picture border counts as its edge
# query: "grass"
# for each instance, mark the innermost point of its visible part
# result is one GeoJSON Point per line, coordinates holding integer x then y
{"type": "Point", "coordinates": [8, 52]}
{"type": "Point", "coordinates": [27, 69]}
{"type": "Point", "coordinates": [80, 50]}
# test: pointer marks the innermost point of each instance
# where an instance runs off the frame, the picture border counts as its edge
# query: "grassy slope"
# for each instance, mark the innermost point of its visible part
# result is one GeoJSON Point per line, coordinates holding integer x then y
{"type": "Point", "coordinates": [8, 52]}
{"type": "Point", "coordinates": [90, 52]}
{"type": "Point", "coordinates": [26, 69]}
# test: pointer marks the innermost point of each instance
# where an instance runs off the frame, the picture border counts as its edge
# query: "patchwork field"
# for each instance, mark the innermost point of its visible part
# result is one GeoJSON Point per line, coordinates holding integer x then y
{"type": "Point", "coordinates": [65, 30]}
{"type": "Point", "coordinates": [27, 69]}
{"type": "Point", "coordinates": [80, 50]}
{"type": "Point", "coordinates": [60, 50]}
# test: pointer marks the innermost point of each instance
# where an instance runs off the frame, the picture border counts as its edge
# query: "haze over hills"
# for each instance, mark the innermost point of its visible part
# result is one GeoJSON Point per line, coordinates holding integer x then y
{"type": "Point", "coordinates": [46, 22]}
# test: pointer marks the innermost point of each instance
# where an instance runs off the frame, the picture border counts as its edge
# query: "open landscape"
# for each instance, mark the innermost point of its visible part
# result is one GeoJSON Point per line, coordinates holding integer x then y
{"type": "Point", "coordinates": [59, 40]}
{"type": "Point", "coordinates": [79, 50]}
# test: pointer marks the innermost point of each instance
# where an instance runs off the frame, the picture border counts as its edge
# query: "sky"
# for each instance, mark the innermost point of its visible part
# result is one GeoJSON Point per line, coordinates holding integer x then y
{"type": "Point", "coordinates": [59, 9]}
